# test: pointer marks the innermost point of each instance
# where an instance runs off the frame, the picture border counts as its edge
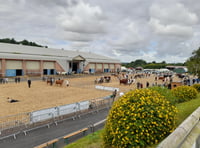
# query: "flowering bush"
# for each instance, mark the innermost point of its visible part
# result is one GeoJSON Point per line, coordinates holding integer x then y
{"type": "Point", "coordinates": [139, 118]}
{"type": "Point", "coordinates": [197, 87]}
{"type": "Point", "coordinates": [184, 93]}
{"type": "Point", "coordinates": [166, 93]}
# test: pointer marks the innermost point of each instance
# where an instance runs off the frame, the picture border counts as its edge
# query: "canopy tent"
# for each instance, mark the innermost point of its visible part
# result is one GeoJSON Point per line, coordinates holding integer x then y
{"type": "Point", "coordinates": [180, 70]}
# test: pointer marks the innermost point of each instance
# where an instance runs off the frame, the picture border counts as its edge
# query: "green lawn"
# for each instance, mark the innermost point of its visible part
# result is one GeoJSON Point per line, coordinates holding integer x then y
{"type": "Point", "coordinates": [186, 108]}
{"type": "Point", "coordinates": [95, 140]}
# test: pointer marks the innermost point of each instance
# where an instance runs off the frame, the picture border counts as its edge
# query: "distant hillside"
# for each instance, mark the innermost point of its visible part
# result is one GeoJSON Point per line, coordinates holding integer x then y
{"type": "Point", "coordinates": [24, 42]}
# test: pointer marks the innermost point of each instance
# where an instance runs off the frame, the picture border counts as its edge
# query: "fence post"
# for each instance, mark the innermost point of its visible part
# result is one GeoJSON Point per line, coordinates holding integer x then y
{"type": "Point", "coordinates": [78, 109]}
{"type": "Point", "coordinates": [54, 145]}
{"type": "Point", "coordinates": [66, 141]}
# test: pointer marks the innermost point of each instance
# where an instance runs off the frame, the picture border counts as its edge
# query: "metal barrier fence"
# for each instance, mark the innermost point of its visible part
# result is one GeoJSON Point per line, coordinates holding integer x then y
{"type": "Point", "coordinates": [21, 122]}
{"type": "Point", "coordinates": [9, 123]}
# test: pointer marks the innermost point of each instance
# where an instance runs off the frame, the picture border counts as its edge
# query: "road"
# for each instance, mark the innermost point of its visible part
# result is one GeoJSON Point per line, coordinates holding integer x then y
{"type": "Point", "coordinates": [44, 134]}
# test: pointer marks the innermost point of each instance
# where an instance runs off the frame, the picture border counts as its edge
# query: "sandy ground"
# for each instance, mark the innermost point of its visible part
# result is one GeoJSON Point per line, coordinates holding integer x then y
{"type": "Point", "coordinates": [41, 95]}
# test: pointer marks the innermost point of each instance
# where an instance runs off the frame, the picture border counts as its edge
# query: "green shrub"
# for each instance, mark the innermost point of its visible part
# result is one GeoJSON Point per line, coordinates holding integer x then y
{"type": "Point", "coordinates": [184, 93]}
{"type": "Point", "coordinates": [166, 93]}
{"type": "Point", "coordinates": [139, 118]}
{"type": "Point", "coordinates": [197, 87]}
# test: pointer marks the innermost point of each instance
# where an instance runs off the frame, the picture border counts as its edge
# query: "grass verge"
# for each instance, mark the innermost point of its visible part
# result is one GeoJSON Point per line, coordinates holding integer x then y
{"type": "Point", "coordinates": [93, 140]}
{"type": "Point", "coordinates": [186, 108]}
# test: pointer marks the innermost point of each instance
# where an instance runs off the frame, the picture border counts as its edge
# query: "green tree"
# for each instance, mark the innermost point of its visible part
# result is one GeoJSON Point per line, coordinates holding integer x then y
{"type": "Point", "coordinates": [193, 63]}
{"type": "Point", "coordinates": [24, 42]}
{"type": "Point", "coordinates": [140, 62]}
{"type": "Point", "coordinates": [12, 41]}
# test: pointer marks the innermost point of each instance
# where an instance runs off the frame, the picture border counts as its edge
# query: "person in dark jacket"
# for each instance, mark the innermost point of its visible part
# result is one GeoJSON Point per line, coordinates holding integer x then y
{"type": "Point", "coordinates": [12, 100]}
{"type": "Point", "coordinates": [29, 83]}
{"type": "Point", "coordinates": [114, 95]}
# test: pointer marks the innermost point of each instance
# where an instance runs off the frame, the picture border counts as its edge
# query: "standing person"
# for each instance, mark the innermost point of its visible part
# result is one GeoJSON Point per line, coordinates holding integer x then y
{"type": "Point", "coordinates": [141, 85]}
{"type": "Point", "coordinates": [18, 79]}
{"type": "Point", "coordinates": [29, 83]}
{"type": "Point", "coordinates": [114, 95]}
{"type": "Point", "coordinates": [51, 81]}
{"type": "Point", "coordinates": [147, 84]}
{"type": "Point", "coordinates": [138, 85]}
{"type": "Point", "coordinates": [15, 79]}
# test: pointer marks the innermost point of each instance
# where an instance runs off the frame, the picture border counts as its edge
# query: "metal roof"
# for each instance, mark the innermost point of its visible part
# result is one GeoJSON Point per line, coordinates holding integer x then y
{"type": "Point", "coordinates": [15, 51]}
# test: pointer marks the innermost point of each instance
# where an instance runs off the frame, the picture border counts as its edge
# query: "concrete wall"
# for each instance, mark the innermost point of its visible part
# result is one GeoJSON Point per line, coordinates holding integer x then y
{"type": "Point", "coordinates": [178, 139]}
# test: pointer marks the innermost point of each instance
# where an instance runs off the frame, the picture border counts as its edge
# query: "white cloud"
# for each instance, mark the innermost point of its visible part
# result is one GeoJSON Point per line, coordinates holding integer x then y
{"type": "Point", "coordinates": [171, 29]}
{"type": "Point", "coordinates": [125, 35]}
{"type": "Point", "coordinates": [154, 30]}
{"type": "Point", "coordinates": [172, 19]}
{"type": "Point", "coordinates": [175, 13]}
{"type": "Point", "coordinates": [82, 18]}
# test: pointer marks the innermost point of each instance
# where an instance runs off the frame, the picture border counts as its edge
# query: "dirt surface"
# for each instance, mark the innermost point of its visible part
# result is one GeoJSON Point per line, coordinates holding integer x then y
{"type": "Point", "coordinates": [41, 95]}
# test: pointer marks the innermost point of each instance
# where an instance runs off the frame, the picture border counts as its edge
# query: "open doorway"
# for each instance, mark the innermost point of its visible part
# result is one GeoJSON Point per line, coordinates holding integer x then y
{"type": "Point", "coordinates": [19, 72]}
{"type": "Point", "coordinates": [44, 71]}
{"type": "Point", "coordinates": [75, 67]}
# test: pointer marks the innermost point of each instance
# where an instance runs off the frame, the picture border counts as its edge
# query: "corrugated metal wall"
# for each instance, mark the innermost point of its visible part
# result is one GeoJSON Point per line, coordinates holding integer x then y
{"type": "Point", "coordinates": [99, 66]}
{"type": "Point", "coordinates": [92, 66]}
{"type": "Point", "coordinates": [49, 65]}
{"type": "Point", "coordinates": [13, 64]}
{"type": "Point", "coordinates": [105, 66]}
{"type": "Point", "coordinates": [112, 66]}
{"type": "Point", "coordinates": [33, 65]}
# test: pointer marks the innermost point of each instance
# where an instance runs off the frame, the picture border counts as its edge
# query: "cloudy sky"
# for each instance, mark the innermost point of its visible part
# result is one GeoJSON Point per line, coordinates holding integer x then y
{"type": "Point", "coordinates": [153, 30]}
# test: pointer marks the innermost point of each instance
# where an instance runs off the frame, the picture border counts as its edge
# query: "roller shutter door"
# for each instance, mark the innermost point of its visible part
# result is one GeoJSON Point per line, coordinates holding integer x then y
{"type": "Point", "coordinates": [112, 66]}
{"type": "Point", "coordinates": [99, 66]}
{"type": "Point", "coordinates": [92, 66]}
{"type": "Point", "coordinates": [33, 65]}
{"type": "Point", "coordinates": [13, 64]}
{"type": "Point", "coordinates": [48, 65]}
{"type": "Point", "coordinates": [105, 66]}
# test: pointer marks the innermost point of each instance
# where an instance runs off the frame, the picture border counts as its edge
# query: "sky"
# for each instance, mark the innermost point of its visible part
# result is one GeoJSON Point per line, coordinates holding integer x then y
{"type": "Point", "coordinates": [127, 30]}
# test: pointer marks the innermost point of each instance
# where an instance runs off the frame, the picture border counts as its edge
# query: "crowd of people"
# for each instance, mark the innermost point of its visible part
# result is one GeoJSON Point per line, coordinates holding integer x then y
{"type": "Point", "coordinates": [141, 80]}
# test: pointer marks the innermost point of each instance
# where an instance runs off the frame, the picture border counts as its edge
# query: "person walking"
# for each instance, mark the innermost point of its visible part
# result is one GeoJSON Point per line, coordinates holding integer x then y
{"type": "Point", "coordinates": [29, 83]}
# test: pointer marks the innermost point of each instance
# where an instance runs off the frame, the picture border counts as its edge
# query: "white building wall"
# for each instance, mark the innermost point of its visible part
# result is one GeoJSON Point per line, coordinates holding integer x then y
{"type": "Point", "coordinates": [33, 65]}
{"type": "Point", "coordinates": [112, 66]}
{"type": "Point", "coordinates": [99, 66]}
{"type": "Point", "coordinates": [49, 65]}
{"type": "Point", "coordinates": [13, 64]}
{"type": "Point", "coordinates": [105, 66]}
{"type": "Point", "coordinates": [92, 66]}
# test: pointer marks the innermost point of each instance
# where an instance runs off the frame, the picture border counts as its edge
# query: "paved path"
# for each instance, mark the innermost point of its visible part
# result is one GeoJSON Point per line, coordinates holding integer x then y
{"type": "Point", "coordinates": [42, 135]}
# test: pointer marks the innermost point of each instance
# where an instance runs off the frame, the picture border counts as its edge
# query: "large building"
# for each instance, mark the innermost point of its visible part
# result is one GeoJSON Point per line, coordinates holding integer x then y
{"type": "Point", "coordinates": [20, 60]}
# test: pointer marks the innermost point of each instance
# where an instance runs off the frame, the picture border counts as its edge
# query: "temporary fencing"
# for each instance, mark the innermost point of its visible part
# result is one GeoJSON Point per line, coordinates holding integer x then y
{"type": "Point", "coordinates": [22, 122]}
{"type": "Point", "coordinates": [106, 88]}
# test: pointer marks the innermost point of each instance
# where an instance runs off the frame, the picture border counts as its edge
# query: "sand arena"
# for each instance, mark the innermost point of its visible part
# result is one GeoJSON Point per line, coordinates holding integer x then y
{"type": "Point", "coordinates": [41, 95]}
